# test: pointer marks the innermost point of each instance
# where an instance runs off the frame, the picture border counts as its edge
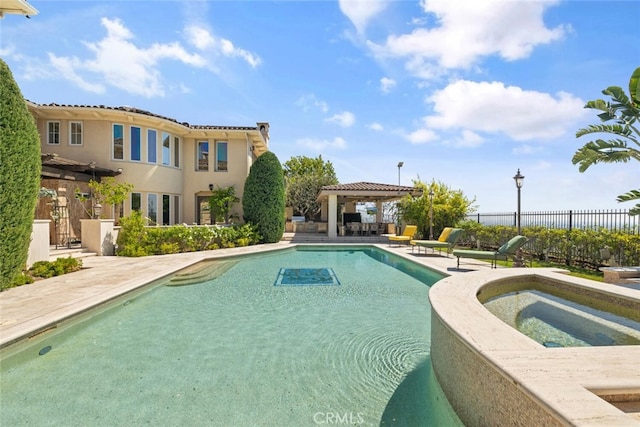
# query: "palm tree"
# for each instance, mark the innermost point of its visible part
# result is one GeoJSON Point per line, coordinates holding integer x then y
{"type": "Point", "coordinates": [623, 111]}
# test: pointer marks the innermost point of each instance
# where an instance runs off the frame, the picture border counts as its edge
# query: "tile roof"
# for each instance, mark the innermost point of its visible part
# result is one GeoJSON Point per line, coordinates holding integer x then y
{"type": "Point", "coordinates": [150, 114]}
{"type": "Point", "coordinates": [366, 186]}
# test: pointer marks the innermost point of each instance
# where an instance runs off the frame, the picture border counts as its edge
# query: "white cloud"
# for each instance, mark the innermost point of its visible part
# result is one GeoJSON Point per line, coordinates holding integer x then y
{"type": "Point", "coordinates": [203, 40]}
{"type": "Point", "coordinates": [469, 139]}
{"type": "Point", "coordinates": [306, 102]}
{"type": "Point", "coordinates": [345, 119]}
{"type": "Point", "coordinates": [421, 136]}
{"type": "Point", "coordinates": [323, 144]}
{"type": "Point", "coordinates": [492, 107]}
{"type": "Point", "coordinates": [122, 64]}
{"type": "Point", "coordinates": [376, 127]}
{"type": "Point", "coordinates": [386, 84]}
{"type": "Point", "coordinates": [361, 11]}
{"type": "Point", "coordinates": [465, 35]}
{"type": "Point", "coordinates": [67, 67]}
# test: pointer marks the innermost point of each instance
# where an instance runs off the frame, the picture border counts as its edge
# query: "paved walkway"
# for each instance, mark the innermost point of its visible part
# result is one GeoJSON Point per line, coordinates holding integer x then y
{"type": "Point", "coordinates": [28, 310]}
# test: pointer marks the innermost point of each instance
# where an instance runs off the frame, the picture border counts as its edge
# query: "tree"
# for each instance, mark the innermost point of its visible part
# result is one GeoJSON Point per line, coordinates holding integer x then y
{"type": "Point", "coordinates": [263, 199]}
{"type": "Point", "coordinates": [623, 112]}
{"type": "Point", "coordinates": [220, 203]}
{"type": "Point", "coordinates": [304, 177]}
{"type": "Point", "coordinates": [449, 207]}
{"type": "Point", "coordinates": [19, 177]}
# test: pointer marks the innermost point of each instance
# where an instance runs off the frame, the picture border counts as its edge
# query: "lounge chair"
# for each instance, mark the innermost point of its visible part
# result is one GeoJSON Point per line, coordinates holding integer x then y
{"type": "Point", "coordinates": [505, 251]}
{"type": "Point", "coordinates": [447, 240]}
{"type": "Point", "coordinates": [406, 235]}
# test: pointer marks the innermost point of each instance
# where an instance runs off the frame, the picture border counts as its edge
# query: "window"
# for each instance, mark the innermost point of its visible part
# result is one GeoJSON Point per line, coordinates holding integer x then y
{"type": "Point", "coordinates": [176, 209]}
{"type": "Point", "coordinates": [53, 133]}
{"type": "Point", "coordinates": [136, 201]}
{"type": "Point", "coordinates": [166, 209]}
{"type": "Point", "coordinates": [75, 133]}
{"type": "Point", "coordinates": [135, 143]}
{"type": "Point", "coordinates": [152, 208]}
{"type": "Point", "coordinates": [176, 151]}
{"type": "Point", "coordinates": [118, 142]}
{"type": "Point", "coordinates": [152, 146]}
{"type": "Point", "coordinates": [221, 156]}
{"type": "Point", "coordinates": [203, 156]}
{"type": "Point", "coordinates": [166, 149]}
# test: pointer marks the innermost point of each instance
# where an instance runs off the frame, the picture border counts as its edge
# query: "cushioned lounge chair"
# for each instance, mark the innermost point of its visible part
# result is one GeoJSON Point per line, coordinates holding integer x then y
{"type": "Point", "coordinates": [406, 235]}
{"type": "Point", "coordinates": [505, 251]}
{"type": "Point", "coordinates": [447, 240]}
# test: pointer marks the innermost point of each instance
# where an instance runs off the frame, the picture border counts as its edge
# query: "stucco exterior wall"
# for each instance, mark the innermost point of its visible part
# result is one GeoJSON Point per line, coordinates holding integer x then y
{"type": "Point", "coordinates": [183, 182]}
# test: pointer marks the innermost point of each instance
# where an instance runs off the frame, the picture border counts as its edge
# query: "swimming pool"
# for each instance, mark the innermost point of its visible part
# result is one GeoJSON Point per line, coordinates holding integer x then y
{"type": "Point", "coordinates": [235, 343]}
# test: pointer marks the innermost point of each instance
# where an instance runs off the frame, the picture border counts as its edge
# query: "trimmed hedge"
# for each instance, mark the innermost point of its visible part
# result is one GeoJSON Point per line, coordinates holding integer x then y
{"type": "Point", "coordinates": [135, 240]}
{"type": "Point", "coordinates": [19, 178]}
{"type": "Point", "coordinates": [574, 247]}
{"type": "Point", "coordinates": [263, 201]}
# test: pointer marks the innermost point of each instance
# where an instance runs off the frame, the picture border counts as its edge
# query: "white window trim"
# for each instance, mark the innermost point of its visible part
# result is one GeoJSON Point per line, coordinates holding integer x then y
{"type": "Point", "coordinates": [198, 156]}
{"type": "Point", "coordinates": [113, 142]}
{"type": "Point", "coordinates": [146, 151]}
{"type": "Point", "coordinates": [49, 133]}
{"type": "Point", "coordinates": [216, 156]}
{"type": "Point", "coordinates": [71, 123]}
{"type": "Point", "coordinates": [142, 147]}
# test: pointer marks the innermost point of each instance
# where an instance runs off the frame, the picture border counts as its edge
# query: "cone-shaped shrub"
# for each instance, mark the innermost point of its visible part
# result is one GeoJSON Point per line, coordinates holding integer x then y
{"type": "Point", "coordinates": [264, 198]}
{"type": "Point", "coordinates": [19, 177]}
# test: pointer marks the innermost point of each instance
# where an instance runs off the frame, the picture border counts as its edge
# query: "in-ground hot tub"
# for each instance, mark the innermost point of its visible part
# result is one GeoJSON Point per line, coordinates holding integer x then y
{"type": "Point", "coordinates": [557, 316]}
{"type": "Point", "coordinates": [493, 374]}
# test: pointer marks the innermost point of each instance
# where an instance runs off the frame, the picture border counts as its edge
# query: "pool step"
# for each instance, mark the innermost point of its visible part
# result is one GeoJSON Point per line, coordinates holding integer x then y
{"type": "Point", "coordinates": [202, 273]}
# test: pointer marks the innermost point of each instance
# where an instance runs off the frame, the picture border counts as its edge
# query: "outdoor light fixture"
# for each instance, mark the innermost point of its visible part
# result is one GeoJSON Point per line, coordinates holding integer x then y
{"type": "Point", "coordinates": [210, 187]}
{"type": "Point", "coordinates": [518, 178]}
{"type": "Point", "coordinates": [400, 164]}
{"type": "Point", "coordinates": [431, 193]}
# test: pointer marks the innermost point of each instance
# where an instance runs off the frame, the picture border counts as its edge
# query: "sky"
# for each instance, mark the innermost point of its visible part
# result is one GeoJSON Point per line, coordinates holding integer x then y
{"type": "Point", "coordinates": [462, 92]}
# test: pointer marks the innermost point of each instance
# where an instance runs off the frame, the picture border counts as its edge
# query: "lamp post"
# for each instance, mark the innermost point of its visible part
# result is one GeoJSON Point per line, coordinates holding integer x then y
{"type": "Point", "coordinates": [400, 164]}
{"type": "Point", "coordinates": [431, 214]}
{"type": "Point", "coordinates": [518, 178]}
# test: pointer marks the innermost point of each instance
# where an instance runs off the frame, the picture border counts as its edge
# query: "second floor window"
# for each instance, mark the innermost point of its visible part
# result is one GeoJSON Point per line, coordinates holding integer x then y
{"type": "Point", "coordinates": [75, 133]}
{"type": "Point", "coordinates": [53, 133]}
{"type": "Point", "coordinates": [203, 156]}
{"type": "Point", "coordinates": [166, 149]}
{"type": "Point", "coordinates": [152, 146]}
{"type": "Point", "coordinates": [135, 143]}
{"type": "Point", "coordinates": [118, 142]}
{"type": "Point", "coordinates": [221, 156]}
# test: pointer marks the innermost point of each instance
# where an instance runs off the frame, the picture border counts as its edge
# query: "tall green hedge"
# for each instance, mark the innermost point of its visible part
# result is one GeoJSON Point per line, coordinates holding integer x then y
{"type": "Point", "coordinates": [19, 177]}
{"type": "Point", "coordinates": [263, 201]}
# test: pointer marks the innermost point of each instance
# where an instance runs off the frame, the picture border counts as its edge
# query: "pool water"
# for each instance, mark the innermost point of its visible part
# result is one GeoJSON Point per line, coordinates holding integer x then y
{"type": "Point", "coordinates": [556, 322]}
{"type": "Point", "coordinates": [236, 348]}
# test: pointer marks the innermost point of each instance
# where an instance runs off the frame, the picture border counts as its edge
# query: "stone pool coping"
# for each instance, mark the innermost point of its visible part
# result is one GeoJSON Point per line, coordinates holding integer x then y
{"type": "Point", "coordinates": [561, 381]}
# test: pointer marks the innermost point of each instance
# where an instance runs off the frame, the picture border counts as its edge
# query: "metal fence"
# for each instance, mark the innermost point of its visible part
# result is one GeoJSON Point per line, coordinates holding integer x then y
{"type": "Point", "coordinates": [611, 219]}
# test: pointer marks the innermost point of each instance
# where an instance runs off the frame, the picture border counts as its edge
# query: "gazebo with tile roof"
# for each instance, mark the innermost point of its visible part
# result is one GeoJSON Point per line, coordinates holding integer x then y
{"type": "Point", "coordinates": [349, 194]}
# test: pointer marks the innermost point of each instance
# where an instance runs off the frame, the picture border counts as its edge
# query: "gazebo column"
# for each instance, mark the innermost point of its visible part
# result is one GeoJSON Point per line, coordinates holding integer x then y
{"type": "Point", "coordinates": [332, 230]}
{"type": "Point", "coordinates": [378, 211]}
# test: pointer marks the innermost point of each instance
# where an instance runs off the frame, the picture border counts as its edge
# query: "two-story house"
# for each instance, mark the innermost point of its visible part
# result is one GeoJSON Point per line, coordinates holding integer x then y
{"type": "Point", "coordinates": [173, 166]}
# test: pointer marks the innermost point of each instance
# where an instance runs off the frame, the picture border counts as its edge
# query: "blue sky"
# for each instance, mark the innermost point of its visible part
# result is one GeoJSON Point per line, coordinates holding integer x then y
{"type": "Point", "coordinates": [463, 92]}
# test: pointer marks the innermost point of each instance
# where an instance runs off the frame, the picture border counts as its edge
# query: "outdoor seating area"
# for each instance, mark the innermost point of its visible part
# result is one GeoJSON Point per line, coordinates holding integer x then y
{"type": "Point", "coordinates": [406, 236]}
{"type": "Point", "coordinates": [503, 253]}
{"type": "Point", "coordinates": [447, 240]}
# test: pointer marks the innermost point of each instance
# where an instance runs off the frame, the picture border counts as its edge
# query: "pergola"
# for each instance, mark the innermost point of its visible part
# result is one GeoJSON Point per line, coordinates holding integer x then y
{"type": "Point", "coordinates": [349, 194]}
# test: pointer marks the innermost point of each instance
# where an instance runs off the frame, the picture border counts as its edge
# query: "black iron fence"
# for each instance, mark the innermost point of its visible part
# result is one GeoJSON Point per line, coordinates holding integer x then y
{"type": "Point", "coordinates": [610, 219]}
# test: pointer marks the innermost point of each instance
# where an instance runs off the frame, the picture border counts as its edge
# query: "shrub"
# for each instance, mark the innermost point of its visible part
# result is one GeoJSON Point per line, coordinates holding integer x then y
{"type": "Point", "coordinates": [47, 269]}
{"type": "Point", "coordinates": [571, 247]}
{"type": "Point", "coordinates": [263, 202]}
{"type": "Point", "coordinates": [19, 177]}
{"type": "Point", "coordinates": [136, 240]}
